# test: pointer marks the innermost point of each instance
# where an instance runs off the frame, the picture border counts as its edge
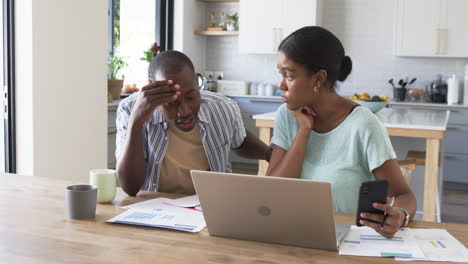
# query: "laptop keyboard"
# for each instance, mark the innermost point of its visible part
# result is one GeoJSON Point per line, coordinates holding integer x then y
{"type": "Point", "coordinates": [341, 231]}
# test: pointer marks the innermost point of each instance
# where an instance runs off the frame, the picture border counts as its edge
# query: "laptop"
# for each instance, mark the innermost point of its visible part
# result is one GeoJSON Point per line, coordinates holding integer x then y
{"type": "Point", "coordinates": [293, 212]}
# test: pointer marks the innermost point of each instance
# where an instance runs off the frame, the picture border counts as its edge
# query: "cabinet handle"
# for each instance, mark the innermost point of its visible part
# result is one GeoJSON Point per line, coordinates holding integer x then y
{"type": "Point", "coordinates": [273, 39]}
{"type": "Point", "coordinates": [436, 41]}
{"type": "Point", "coordinates": [450, 157]}
{"type": "Point", "coordinates": [425, 109]}
{"type": "Point", "coordinates": [280, 35]}
{"type": "Point", "coordinates": [439, 109]}
{"type": "Point", "coordinates": [443, 41]}
{"type": "Point", "coordinates": [265, 101]}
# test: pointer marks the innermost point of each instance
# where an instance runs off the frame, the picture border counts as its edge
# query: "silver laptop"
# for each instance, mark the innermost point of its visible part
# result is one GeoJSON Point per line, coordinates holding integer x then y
{"type": "Point", "coordinates": [276, 210]}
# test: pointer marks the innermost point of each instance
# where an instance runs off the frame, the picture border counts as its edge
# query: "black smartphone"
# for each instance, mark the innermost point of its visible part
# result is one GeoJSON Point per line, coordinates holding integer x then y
{"type": "Point", "coordinates": [371, 192]}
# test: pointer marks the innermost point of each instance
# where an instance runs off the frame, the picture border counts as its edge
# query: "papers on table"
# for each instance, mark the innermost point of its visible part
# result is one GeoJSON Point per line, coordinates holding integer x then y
{"type": "Point", "coordinates": [438, 245]}
{"type": "Point", "coordinates": [365, 241]}
{"type": "Point", "coordinates": [407, 244]}
{"type": "Point", "coordinates": [162, 213]}
{"type": "Point", "coordinates": [191, 202]}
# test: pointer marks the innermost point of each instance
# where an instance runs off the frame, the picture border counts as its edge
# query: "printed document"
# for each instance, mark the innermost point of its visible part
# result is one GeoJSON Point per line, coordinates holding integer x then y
{"type": "Point", "coordinates": [365, 241]}
{"type": "Point", "coordinates": [187, 202]}
{"type": "Point", "coordinates": [158, 213]}
{"type": "Point", "coordinates": [438, 245]}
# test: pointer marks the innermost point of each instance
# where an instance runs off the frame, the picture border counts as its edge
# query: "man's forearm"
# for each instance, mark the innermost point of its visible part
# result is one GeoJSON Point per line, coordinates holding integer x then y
{"type": "Point", "coordinates": [252, 147]}
{"type": "Point", "coordinates": [131, 167]}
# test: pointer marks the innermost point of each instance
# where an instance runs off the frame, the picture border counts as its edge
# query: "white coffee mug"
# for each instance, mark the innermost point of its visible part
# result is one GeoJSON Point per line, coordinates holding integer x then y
{"type": "Point", "coordinates": [269, 90]}
{"type": "Point", "coordinates": [105, 181]}
{"type": "Point", "coordinates": [261, 91]}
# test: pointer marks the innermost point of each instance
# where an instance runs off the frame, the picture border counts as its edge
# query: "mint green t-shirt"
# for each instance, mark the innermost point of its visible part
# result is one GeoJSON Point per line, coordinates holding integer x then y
{"type": "Point", "coordinates": [344, 157]}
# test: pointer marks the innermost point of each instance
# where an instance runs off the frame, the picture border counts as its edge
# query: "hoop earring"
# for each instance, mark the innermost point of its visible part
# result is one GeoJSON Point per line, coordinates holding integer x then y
{"type": "Point", "coordinates": [315, 89]}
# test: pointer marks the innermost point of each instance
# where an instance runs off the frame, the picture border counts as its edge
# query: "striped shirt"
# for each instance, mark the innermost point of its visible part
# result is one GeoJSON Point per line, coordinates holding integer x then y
{"type": "Point", "coordinates": [221, 129]}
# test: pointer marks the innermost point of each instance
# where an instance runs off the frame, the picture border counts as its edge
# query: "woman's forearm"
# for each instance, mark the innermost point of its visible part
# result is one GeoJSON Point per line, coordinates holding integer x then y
{"type": "Point", "coordinates": [406, 201]}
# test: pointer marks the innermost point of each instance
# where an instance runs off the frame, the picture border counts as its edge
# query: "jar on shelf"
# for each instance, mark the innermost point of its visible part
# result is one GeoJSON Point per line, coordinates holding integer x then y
{"type": "Point", "coordinates": [212, 20]}
{"type": "Point", "coordinates": [222, 20]}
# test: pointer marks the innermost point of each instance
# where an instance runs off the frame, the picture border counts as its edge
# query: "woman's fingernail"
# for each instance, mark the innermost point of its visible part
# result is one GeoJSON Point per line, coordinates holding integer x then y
{"type": "Point", "coordinates": [361, 222]}
{"type": "Point", "coordinates": [362, 215]}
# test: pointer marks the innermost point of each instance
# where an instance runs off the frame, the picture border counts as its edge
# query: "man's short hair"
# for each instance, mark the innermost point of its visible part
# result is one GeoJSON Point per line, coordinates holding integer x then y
{"type": "Point", "coordinates": [169, 62]}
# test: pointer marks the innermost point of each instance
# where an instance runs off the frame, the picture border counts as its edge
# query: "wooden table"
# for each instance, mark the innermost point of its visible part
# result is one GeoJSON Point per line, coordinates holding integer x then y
{"type": "Point", "coordinates": [34, 229]}
{"type": "Point", "coordinates": [427, 124]}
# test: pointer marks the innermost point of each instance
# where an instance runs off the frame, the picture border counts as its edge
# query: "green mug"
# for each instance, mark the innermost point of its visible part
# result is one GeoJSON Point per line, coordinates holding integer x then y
{"type": "Point", "coordinates": [105, 181]}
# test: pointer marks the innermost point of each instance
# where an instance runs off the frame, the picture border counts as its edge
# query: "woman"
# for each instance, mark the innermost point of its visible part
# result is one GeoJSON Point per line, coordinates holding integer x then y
{"type": "Point", "coordinates": [320, 135]}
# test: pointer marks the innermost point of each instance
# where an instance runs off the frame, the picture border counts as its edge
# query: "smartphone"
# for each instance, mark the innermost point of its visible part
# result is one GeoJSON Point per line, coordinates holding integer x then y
{"type": "Point", "coordinates": [369, 193]}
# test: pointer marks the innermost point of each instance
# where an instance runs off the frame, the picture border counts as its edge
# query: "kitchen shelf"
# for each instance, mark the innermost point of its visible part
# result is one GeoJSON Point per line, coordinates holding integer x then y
{"type": "Point", "coordinates": [216, 33]}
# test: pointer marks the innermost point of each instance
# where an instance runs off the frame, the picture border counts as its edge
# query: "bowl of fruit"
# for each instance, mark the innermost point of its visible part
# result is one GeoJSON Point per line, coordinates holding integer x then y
{"type": "Point", "coordinates": [374, 103]}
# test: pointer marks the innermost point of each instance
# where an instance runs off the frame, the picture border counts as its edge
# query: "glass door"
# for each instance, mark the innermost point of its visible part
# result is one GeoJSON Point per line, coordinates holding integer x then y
{"type": "Point", "coordinates": [7, 81]}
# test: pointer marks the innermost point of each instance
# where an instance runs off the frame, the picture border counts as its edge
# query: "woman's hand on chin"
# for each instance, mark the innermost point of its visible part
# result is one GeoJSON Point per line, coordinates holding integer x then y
{"type": "Point", "coordinates": [306, 117]}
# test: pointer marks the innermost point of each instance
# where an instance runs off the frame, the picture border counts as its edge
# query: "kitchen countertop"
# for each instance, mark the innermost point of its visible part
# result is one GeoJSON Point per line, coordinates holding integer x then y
{"type": "Point", "coordinates": [416, 104]}
{"type": "Point", "coordinates": [255, 97]}
{"type": "Point", "coordinates": [113, 106]}
{"type": "Point", "coordinates": [401, 118]}
{"type": "Point", "coordinates": [430, 105]}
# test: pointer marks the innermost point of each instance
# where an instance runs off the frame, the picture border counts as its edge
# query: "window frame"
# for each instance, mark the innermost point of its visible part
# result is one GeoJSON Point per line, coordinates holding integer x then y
{"type": "Point", "coordinates": [164, 24]}
{"type": "Point", "coordinates": [9, 108]}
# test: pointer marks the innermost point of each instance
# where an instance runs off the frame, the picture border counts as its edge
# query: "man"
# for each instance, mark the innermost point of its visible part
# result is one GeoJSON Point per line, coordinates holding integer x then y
{"type": "Point", "coordinates": [171, 127]}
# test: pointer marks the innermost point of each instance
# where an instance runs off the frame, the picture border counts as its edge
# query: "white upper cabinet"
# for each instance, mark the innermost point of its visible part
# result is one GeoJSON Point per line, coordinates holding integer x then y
{"type": "Point", "coordinates": [263, 24]}
{"type": "Point", "coordinates": [457, 28]}
{"type": "Point", "coordinates": [431, 28]}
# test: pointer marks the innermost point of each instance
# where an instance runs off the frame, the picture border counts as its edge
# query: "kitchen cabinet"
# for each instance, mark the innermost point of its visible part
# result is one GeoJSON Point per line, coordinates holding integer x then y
{"type": "Point", "coordinates": [455, 141]}
{"type": "Point", "coordinates": [431, 28]}
{"type": "Point", "coordinates": [111, 133]}
{"type": "Point", "coordinates": [263, 24]}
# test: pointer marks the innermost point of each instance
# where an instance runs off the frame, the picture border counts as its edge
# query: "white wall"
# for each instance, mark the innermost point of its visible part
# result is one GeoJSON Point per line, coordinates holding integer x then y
{"type": "Point", "coordinates": [189, 15]}
{"type": "Point", "coordinates": [24, 87]}
{"type": "Point", "coordinates": [62, 87]}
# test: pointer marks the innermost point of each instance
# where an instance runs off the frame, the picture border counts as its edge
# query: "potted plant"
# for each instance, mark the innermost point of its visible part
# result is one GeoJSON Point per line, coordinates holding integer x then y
{"type": "Point", "coordinates": [150, 53]}
{"type": "Point", "coordinates": [232, 22]}
{"type": "Point", "coordinates": [114, 85]}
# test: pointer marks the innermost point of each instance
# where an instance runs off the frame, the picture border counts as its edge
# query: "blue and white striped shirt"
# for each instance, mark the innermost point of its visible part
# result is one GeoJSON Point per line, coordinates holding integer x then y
{"type": "Point", "coordinates": [221, 129]}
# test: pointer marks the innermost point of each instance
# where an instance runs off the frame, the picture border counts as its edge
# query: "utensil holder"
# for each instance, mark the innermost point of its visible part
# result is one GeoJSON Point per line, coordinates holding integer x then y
{"type": "Point", "coordinates": [399, 93]}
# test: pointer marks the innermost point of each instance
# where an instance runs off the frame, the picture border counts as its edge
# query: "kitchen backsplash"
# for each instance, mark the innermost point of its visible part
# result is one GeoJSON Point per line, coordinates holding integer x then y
{"type": "Point", "coordinates": [366, 29]}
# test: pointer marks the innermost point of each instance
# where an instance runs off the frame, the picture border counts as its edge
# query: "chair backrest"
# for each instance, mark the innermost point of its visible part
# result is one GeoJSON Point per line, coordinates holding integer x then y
{"type": "Point", "coordinates": [406, 167]}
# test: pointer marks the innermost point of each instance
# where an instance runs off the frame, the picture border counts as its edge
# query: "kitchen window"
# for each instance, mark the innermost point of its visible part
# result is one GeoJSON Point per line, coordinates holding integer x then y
{"type": "Point", "coordinates": [134, 27]}
{"type": "Point", "coordinates": [7, 99]}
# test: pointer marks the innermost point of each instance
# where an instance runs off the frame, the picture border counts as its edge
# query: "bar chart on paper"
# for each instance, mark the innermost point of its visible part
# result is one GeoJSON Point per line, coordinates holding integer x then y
{"type": "Point", "coordinates": [162, 215]}
{"type": "Point", "coordinates": [149, 216]}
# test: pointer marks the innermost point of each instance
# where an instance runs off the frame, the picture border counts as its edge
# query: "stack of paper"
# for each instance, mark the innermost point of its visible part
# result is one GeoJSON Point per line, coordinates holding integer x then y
{"type": "Point", "coordinates": [365, 241]}
{"type": "Point", "coordinates": [438, 245]}
{"type": "Point", "coordinates": [164, 213]}
{"type": "Point", "coordinates": [190, 202]}
{"type": "Point", "coordinates": [407, 244]}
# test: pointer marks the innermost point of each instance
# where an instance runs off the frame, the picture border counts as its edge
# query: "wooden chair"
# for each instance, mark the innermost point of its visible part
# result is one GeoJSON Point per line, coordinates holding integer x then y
{"type": "Point", "coordinates": [407, 166]}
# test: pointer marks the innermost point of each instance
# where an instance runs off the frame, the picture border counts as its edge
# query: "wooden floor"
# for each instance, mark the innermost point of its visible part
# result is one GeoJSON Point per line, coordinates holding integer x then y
{"type": "Point", "coordinates": [454, 202]}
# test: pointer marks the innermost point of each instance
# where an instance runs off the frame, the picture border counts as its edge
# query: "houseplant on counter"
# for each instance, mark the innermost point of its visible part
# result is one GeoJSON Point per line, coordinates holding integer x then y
{"type": "Point", "coordinates": [114, 85]}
